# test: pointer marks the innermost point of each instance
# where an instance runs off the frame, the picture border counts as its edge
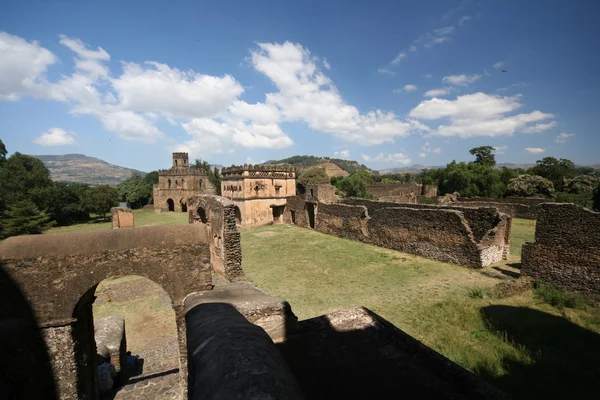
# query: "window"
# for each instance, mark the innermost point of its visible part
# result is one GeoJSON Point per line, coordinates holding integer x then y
{"type": "Point", "coordinates": [277, 189]}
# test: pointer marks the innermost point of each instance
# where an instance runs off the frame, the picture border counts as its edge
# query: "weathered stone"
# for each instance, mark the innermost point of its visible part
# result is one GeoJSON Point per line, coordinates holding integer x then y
{"type": "Point", "coordinates": [109, 332]}
{"type": "Point", "coordinates": [401, 192]}
{"type": "Point", "coordinates": [122, 218]}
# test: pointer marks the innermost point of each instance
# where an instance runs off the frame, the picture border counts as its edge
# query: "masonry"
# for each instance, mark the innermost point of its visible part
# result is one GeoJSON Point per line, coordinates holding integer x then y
{"type": "Point", "coordinates": [465, 236]}
{"type": "Point", "coordinates": [566, 251]}
{"type": "Point", "coordinates": [177, 184]}
{"type": "Point", "coordinates": [516, 207]}
{"type": "Point", "coordinates": [401, 192]}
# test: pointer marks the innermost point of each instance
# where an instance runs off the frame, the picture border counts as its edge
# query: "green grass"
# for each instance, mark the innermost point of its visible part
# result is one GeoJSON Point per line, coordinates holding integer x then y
{"type": "Point", "coordinates": [442, 305]}
{"type": "Point", "coordinates": [141, 217]}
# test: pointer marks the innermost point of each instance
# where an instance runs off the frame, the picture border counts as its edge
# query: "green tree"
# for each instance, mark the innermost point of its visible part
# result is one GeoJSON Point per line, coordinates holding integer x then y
{"type": "Point", "coordinates": [484, 155]}
{"type": "Point", "coordinates": [3, 153]}
{"type": "Point", "coordinates": [63, 202]}
{"type": "Point", "coordinates": [581, 184]}
{"type": "Point", "coordinates": [530, 185]}
{"type": "Point", "coordinates": [557, 171]}
{"type": "Point", "coordinates": [355, 184]}
{"type": "Point", "coordinates": [596, 198]}
{"type": "Point", "coordinates": [213, 174]}
{"type": "Point", "coordinates": [100, 199]}
{"type": "Point", "coordinates": [313, 176]}
{"type": "Point", "coordinates": [137, 190]}
{"type": "Point", "coordinates": [24, 218]}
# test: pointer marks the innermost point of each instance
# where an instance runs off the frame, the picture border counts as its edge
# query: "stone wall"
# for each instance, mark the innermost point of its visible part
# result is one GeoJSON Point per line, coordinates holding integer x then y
{"type": "Point", "coordinates": [401, 192]}
{"type": "Point", "coordinates": [58, 275]}
{"type": "Point", "coordinates": [464, 236]}
{"type": "Point", "coordinates": [566, 251]}
{"type": "Point", "coordinates": [122, 218]}
{"type": "Point", "coordinates": [221, 229]}
{"type": "Point", "coordinates": [516, 207]}
{"type": "Point", "coordinates": [324, 194]}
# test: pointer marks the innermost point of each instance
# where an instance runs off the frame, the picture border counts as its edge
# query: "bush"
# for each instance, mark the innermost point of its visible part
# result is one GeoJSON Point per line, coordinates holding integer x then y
{"type": "Point", "coordinates": [530, 185]}
{"type": "Point", "coordinates": [476, 293]}
{"type": "Point", "coordinates": [557, 297]}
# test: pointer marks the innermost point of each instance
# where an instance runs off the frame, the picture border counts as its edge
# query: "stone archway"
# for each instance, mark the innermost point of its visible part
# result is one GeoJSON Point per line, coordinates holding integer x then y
{"type": "Point", "coordinates": [183, 205]}
{"type": "Point", "coordinates": [201, 213]}
{"type": "Point", "coordinates": [170, 205]}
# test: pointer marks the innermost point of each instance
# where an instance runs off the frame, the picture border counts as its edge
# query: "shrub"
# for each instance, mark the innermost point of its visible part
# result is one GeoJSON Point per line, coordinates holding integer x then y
{"type": "Point", "coordinates": [476, 293]}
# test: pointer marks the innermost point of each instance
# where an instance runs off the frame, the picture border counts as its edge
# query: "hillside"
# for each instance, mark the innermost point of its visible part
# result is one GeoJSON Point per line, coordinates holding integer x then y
{"type": "Point", "coordinates": [83, 169]}
{"type": "Point", "coordinates": [304, 162]}
{"type": "Point", "coordinates": [416, 168]}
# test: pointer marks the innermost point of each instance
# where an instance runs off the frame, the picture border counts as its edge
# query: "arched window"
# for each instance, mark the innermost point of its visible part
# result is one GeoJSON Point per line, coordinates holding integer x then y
{"type": "Point", "coordinates": [199, 183]}
{"type": "Point", "coordinates": [169, 184]}
{"type": "Point", "coordinates": [182, 182]}
{"type": "Point", "coordinates": [171, 204]}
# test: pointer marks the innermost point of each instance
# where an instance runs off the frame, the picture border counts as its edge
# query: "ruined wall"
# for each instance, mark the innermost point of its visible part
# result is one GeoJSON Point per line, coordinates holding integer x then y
{"type": "Point", "coordinates": [464, 236]}
{"type": "Point", "coordinates": [122, 218]}
{"type": "Point", "coordinates": [221, 229]}
{"type": "Point", "coordinates": [566, 251]}
{"type": "Point", "coordinates": [401, 192]}
{"type": "Point", "coordinates": [516, 207]}
{"type": "Point", "coordinates": [324, 194]}
{"type": "Point", "coordinates": [58, 275]}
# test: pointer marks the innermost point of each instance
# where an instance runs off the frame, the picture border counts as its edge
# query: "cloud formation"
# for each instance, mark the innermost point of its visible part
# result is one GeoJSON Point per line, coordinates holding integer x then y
{"type": "Point", "coordinates": [396, 158]}
{"type": "Point", "coordinates": [344, 154]}
{"type": "Point", "coordinates": [535, 150]}
{"type": "Point", "coordinates": [56, 137]}
{"type": "Point", "coordinates": [563, 137]}
{"type": "Point", "coordinates": [437, 92]}
{"type": "Point", "coordinates": [460, 80]}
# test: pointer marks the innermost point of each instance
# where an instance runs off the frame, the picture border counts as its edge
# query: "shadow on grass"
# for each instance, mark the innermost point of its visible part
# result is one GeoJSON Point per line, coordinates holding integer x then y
{"type": "Point", "coordinates": [507, 272]}
{"type": "Point", "coordinates": [565, 356]}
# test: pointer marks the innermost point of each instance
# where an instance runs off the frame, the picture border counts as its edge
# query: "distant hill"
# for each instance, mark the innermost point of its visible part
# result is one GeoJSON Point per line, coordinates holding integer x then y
{"type": "Point", "coordinates": [83, 169]}
{"type": "Point", "coordinates": [417, 168]}
{"type": "Point", "coordinates": [333, 166]}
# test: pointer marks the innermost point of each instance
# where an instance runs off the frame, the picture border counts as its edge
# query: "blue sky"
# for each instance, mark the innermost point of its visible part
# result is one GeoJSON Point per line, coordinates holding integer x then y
{"type": "Point", "coordinates": [387, 83]}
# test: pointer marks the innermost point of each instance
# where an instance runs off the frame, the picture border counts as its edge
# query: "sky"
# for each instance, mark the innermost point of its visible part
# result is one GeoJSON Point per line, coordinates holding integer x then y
{"type": "Point", "coordinates": [386, 83]}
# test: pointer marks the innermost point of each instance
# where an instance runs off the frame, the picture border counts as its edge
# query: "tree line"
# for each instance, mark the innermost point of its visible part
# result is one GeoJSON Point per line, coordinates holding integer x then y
{"type": "Point", "coordinates": [556, 179]}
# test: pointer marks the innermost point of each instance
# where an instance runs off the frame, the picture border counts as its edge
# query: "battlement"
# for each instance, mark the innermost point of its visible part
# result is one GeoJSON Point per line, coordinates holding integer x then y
{"type": "Point", "coordinates": [181, 171]}
{"type": "Point", "coordinates": [282, 171]}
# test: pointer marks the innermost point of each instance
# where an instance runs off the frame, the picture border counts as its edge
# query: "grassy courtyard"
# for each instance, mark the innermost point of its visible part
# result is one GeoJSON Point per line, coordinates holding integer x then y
{"type": "Point", "coordinates": [521, 344]}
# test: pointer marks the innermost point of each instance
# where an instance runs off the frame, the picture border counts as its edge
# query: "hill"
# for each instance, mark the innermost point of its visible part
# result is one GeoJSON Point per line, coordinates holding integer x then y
{"type": "Point", "coordinates": [417, 168]}
{"type": "Point", "coordinates": [83, 169]}
{"type": "Point", "coordinates": [333, 166]}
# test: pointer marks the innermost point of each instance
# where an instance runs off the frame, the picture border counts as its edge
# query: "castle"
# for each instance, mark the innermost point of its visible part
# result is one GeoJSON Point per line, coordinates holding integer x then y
{"type": "Point", "coordinates": [259, 192]}
{"type": "Point", "coordinates": [179, 183]}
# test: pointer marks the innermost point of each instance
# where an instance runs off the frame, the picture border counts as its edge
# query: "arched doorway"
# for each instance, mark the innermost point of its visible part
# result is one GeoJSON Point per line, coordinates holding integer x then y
{"type": "Point", "coordinates": [202, 215]}
{"type": "Point", "coordinates": [171, 204]}
{"type": "Point", "coordinates": [238, 216]}
{"type": "Point", "coordinates": [183, 204]}
{"type": "Point", "coordinates": [147, 348]}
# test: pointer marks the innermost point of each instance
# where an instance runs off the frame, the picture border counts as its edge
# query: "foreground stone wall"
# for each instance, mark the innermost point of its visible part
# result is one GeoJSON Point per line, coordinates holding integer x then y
{"type": "Point", "coordinates": [464, 236]}
{"type": "Point", "coordinates": [566, 251]}
{"type": "Point", "coordinates": [57, 276]}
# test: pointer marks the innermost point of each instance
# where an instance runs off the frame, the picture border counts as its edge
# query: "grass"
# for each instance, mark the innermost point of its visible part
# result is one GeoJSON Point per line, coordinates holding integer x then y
{"type": "Point", "coordinates": [141, 217]}
{"type": "Point", "coordinates": [442, 305]}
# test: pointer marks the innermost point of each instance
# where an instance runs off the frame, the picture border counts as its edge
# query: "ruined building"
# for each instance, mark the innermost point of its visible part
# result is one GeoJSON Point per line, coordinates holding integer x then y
{"type": "Point", "coordinates": [259, 192]}
{"type": "Point", "coordinates": [179, 183]}
{"type": "Point", "coordinates": [401, 192]}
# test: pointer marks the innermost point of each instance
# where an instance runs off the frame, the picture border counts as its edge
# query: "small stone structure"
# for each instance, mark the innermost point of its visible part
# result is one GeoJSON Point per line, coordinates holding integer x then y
{"type": "Point", "coordinates": [179, 183]}
{"type": "Point", "coordinates": [122, 218]}
{"type": "Point", "coordinates": [401, 192]}
{"type": "Point", "coordinates": [109, 334]}
{"type": "Point", "coordinates": [217, 215]}
{"type": "Point", "coordinates": [459, 235]}
{"type": "Point", "coordinates": [566, 251]}
{"type": "Point", "coordinates": [320, 193]}
{"type": "Point", "coordinates": [259, 192]}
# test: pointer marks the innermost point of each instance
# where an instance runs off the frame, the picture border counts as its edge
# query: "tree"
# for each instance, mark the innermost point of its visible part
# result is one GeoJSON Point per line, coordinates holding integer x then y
{"type": "Point", "coordinates": [355, 184]}
{"type": "Point", "coordinates": [100, 199]}
{"type": "Point", "coordinates": [530, 185]}
{"type": "Point", "coordinates": [596, 198]}
{"type": "Point", "coordinates": [63, 202]}
{"type": "Point", "coordinates": [24, 218]}
{"type": "Point", "coordinates": [3, 153]}
{"type": "Point", "coordinates": [555, 170]}
{"type": "Point", "coordinates": [213, 174]}
{"type": "Point", "coordinates": [313, 176]}
{"type": "Point", "coordinates": [581, 184]}
{"type": "Point", "coordinates": [137, 191]}
{"type": "Point", "coordinates": [484, 155]}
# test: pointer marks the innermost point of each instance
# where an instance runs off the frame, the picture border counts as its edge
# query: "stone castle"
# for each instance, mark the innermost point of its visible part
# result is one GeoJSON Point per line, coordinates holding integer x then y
{"type": "Point", "coordinates": [177, 184]}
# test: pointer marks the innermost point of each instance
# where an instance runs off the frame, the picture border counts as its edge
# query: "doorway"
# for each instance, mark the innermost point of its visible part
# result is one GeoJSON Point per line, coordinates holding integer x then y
{"type": "Point", "coordinates": [171, 205]}
{"type": "Point", "coordinates": [310, 208]}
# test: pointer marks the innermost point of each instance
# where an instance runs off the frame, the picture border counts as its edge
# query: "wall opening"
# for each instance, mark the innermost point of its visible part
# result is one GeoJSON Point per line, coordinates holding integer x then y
{"type": "Point", "coordinates": [169, 184]}
{"type": "Point", "coordinates": [183, 207]}
{"type": "Point", "coordinates": [277, 213]}
{"type": "Point", "coordinates": [238, 216]}
{"type": "Point", "coordinates": [310, 208]}
{"type": "Point", "coordinates": [293, 212]}
{"type": "Point", "coordinates": [202, 215]}
{"type": "Point", "coordinates": [110, 358]}
{"type": "Point", "coordinates": [171, 204]}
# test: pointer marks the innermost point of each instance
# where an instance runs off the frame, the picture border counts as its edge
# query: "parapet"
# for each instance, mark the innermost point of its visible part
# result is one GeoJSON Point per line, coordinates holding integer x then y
{"type": "Point", "coordinates": [280, 171]}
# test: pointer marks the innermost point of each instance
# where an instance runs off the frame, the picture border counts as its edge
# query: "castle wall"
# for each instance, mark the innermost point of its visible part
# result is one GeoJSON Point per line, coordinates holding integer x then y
{"type": "Point", "coordinates": [58, 274]}
{"type": "Point", "coordinates": [566, 251]}
{"type": "Point", "coordinates": [464, 236]}
{"type": "Point", "coordinates": [401, 192]}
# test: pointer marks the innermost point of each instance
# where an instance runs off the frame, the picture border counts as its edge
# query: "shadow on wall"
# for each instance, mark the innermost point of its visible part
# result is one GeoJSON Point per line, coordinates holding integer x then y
{"type": "Point", "coordinates": [25, 370]}
{"type": "Point", "coordinates": [565, 355]}
{"type": "Point", "coordinates": [355, 354]}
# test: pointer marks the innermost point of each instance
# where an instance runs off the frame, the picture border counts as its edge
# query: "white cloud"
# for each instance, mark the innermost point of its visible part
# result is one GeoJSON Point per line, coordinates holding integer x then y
{"type": "Point", "coordinates": [344, 154]}
{"type": "Point", "coordinates": [401, 56]}
{"type": "Point", "coordinates": [535, 150]}
{"type": "Point", "coordinates": [306, 94]}
{"type": "Point", "coordinates": [563, 137]}
{"type": "Point", "coordinates": [258, 112]}
{"type": "Point", "coordinates": [396, 158]}
{"type": "Point", "coordinates": [326, 64]}
{"type": "Point", "coordinates": [537, 128]}
{"type": "Point", "coordinates": [499, 64]}
{"type": "Point", "coordinates": [435, 41]}
{"type": "Point", "coordinates": [405, 88]}
{"type": "Point", "coordinates": [500, 149]}
{"type": "Point", "coordinates": [461, 80]}
{"type": "Point", "coordinates": [386, 71]}
{"type": "Point", "coordinates": [428, 76]}
{"type": "Point", "coordinates": [476, 114]}
{"type": "Point", "coordinates": [437, 92]}
{"type": "Point", "coordinates": [412, 48]}
{"type": "Point", "coordinates": [422, 155]}
{"type": "Point", "coordinates": [428, 149]}
{"type": "Point", "coordinates": [463, 20]}
{"type": "Point", "coordinates": [23, 66]}
{"type": "Point", "coordinates": [56, 137]}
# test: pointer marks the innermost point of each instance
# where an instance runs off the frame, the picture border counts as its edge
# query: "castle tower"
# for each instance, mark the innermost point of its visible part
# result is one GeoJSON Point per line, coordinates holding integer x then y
{"type": "Point", "coordinates": [180, 160]}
